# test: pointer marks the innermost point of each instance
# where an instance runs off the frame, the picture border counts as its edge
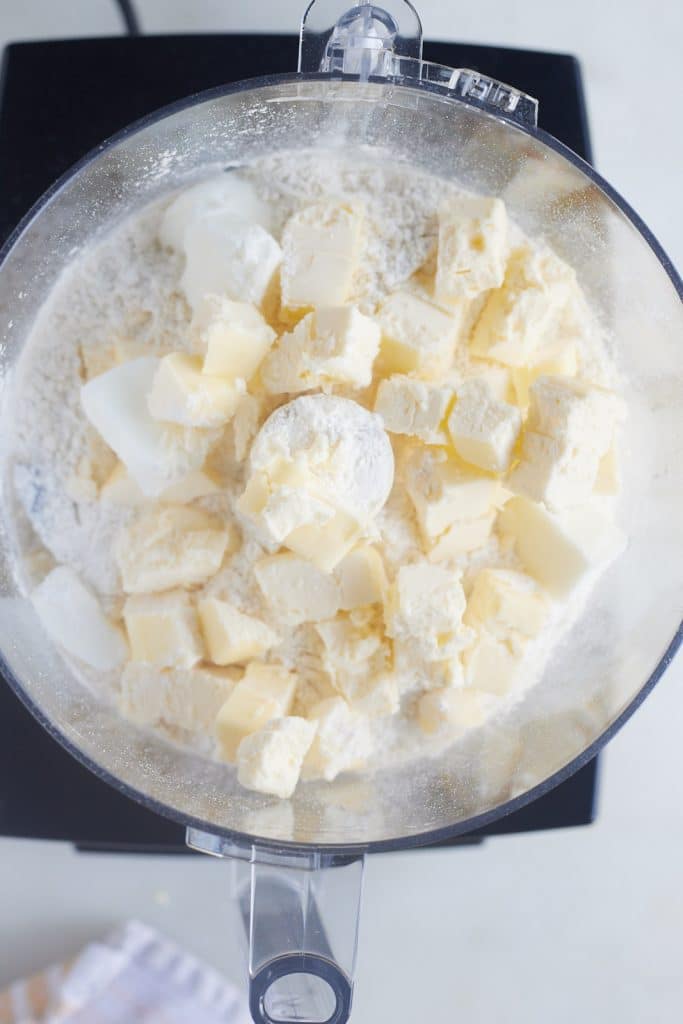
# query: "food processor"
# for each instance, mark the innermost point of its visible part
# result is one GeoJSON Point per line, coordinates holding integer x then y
{"type": "Point", "coordinates": [297, 865]}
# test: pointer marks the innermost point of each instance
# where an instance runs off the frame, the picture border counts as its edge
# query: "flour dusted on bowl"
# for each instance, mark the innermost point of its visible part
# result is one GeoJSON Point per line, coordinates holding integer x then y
{"type": "Point", "coordinates": [326, 452]}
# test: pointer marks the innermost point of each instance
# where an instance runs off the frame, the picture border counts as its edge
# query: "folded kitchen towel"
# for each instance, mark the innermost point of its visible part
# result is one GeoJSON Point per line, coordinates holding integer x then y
{"type": "Point", "coordinates": [135, 975]}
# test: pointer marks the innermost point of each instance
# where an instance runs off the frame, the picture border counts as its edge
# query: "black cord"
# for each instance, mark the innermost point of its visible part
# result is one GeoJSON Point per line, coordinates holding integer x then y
{"type": "Point", "coordinates": [129, 16]}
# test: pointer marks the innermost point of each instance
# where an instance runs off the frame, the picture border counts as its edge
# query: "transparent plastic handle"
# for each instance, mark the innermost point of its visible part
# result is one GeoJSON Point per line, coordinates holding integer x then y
{"type": "Point", "coordinates": [370, 41]}
{"type": "Point", "coordinates": [300, 913]}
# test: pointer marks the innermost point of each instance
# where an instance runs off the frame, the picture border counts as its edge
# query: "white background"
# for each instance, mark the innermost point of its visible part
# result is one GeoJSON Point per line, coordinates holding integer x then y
{"type": "Point", "coordinates": [566, 926]}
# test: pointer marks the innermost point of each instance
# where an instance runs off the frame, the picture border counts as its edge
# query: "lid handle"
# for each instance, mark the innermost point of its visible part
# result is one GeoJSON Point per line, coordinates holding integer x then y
{"type": "Point", "coordinates": [359, 40]}
{"type": "Point", "coordinates": [372, 41]}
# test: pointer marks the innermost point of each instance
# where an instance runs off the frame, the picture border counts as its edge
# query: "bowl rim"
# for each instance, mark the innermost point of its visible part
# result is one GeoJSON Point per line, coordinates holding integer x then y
{"type": "Point", "coordinates": [444, 832]}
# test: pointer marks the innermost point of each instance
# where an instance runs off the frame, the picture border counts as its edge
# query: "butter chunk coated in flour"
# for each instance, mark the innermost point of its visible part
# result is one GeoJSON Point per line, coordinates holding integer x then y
{"type": "Point", "coordinates": [265, 692]}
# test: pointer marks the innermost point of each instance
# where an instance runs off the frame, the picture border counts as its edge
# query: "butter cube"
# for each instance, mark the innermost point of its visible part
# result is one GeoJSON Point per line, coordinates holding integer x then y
{"type": "Point", "coordinates": [163, 629]}
{"type": "Point", "coordinates": [225, 256]}
{"type": "Point", "coordinates": [120, 489]}
{"type": "Point", "coordinates": [361, 577]}
{"type": "Point", "coordinates": [245, 423]}
{"type": "Point", "coordinates": [296, 589]}
{"type": "Point", "coordinates": [521, 315]}
{"type": "Point", "coordinates": [559, 550]}
{"type": "Point", "coordinates": [473, 247]}
{"type": "Point", "coordinates": [414, 407]}
{"type": "Point", "coordinates": [270, 760]}
{"type": "Point", "coordinates": [187, 698]}
{"type": "Point", "coordinates": [455, 711]}
{"type": "Point", "coordinates": [325, 545]}
{"type": "Point", "coordinates": [552, 361]}
{"type": "Point", "coordinates": [379, 698]}
{"type": "Point", "coordinates": [553, 472]}
{"type": "Point", "coordinates": [355, 655]}
{"type": "Point", "coordinates": [170, 547]}
{"type": "Point", "coordinates": [499, 379]}
{"type": "Point", "coordinates": [284, 504]}
{"type": "Point", "coordinates": [233, 337]}
{"type": "Point", "coordinates": [574, 412]}
{"type": "Point", "coordinates": [182, 393]}
{"type": "Point", "coordinates": [502, 601]}
{"type": "Point", "coordinates": [462, 537]}
{"type": "Point", "coordinates": [343, 741]}
{"type": "Point", "coordinates": [155, 454]}
{"type": "Point", "coordinates": [73, 618]}
{"type": "Point", "coordinates": [608, 480]}
{"type": "Point", "coordinates": [570, 427]}
{"type": "Point", "coordinates": [225, 193]}
{"type": "Point", "coordinates": [417, 337]}
{"type": "Point", "coordinates": [444, 491]}
{"type": "Point", "coordinates": [265, 692]}
{"type": "Point", "coordinates": [493, 665]}
{"type": "Point", "coordinates": [288, 508]}
{"type": "Point", "coordinates": [483, 430]}
{"type": "Point", "coordinates": [425, 606]}
{"type": "Point", "coordinates": [230, 635]}
{"type": "Point", "coordinates": [335, 344]}
{"type": "Point", "coordinates": [321, 251]}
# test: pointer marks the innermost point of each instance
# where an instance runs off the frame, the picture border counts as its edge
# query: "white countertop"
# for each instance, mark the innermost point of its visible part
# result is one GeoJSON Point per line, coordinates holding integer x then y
{"type": "Point", "coordinates": [575, 925]}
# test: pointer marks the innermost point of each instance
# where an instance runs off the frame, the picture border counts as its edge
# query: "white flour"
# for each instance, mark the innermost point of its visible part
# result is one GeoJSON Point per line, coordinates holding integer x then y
{"type": "Point", "coordinates": [124, 292]}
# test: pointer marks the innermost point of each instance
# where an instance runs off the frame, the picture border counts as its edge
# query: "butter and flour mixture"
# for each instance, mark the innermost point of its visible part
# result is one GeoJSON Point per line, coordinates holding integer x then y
{"type": "Point", "coordinates": [312, 463]}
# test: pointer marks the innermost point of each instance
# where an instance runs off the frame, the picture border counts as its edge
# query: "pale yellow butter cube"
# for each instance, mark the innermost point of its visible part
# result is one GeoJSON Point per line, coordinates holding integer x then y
{"type": "Point", "coordinates": [444, 491]}
{"type": "Point", "coordinates": [560, 550]}
{"type": "Point", "coordinates": [551, 362]}
{"type": "Point", "coordinates": [233, 337]}
{"type": "Point", "coordinates": [321, 246]}
{"type": "Point", "coordinates": [574, 412]}
{"type": "Point", "coordinates": [453, 710]}
{"type": "Point", "coordinates": [570, 428]}
{"type": "Point", "coordinates": [483, 430]}
{"type": "Point", "coordinates": [493, 665]}
{"type": "Point", "coordinates": [424, 607]}
{"type": "Point", "coordinates": [462, 537]}
{"type": "Point", "coordinates": [502, 601]}
{"type": "Point", "coordinates": [361, 577]}
{"type": "Point", "coordinates": [189, 698]}
{"type": "Point", "coordinates": [417, 337]}
{"type": "Point", "coordinates": [265, 692]}
{"type": "Point", "coordinates": [163, 629]}
{"type": "Point", "coordinates": [380, 697]}
{"type": "Point", "coordinates": [246, 422]}
{"type": "Point", "coordinates": [121, 489]}
{"type": "Point", "coordinates": [288, 508]}
{"type": "Point", "coordinates": [414, 407]}
{"type": "Point", "coordinates": [499, 379]}
{"type": "Point", "coordinates": [473, 246]}
{"type": "Point", "coordinates": [343, 741]}
{"type": "Point", "coordinates": [333, 345]}
{"type": "Point", "coordinates": [355, 654]}
{"type": "Point", "coordinates": [608, 479]}
{"type": "Point", "coordinates": [325, 545]}
{"type": "Point", "coordinates": [169, 547]}
{"type": "Point", "coordinates": [296, 589]}
{"type": "Point", "coordinates": [230, 635]}
{"type": "Point", "coordinates": [270, 760]}
{"type": "Point", "coordinates": [553, 472]}
{"type": "Point", "coordinates": [522, 314]}
{"type": "Point", "coordinates": [181, 393]}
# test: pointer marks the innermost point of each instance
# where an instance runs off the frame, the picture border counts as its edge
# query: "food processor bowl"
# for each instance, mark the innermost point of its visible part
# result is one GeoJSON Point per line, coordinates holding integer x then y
{"type": "Point", "coordinates": [375, 97]}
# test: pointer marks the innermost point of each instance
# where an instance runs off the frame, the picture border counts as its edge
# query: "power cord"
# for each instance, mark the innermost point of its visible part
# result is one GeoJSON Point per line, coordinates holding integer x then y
{"type": "Point", "coordinates": [130, 18]}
